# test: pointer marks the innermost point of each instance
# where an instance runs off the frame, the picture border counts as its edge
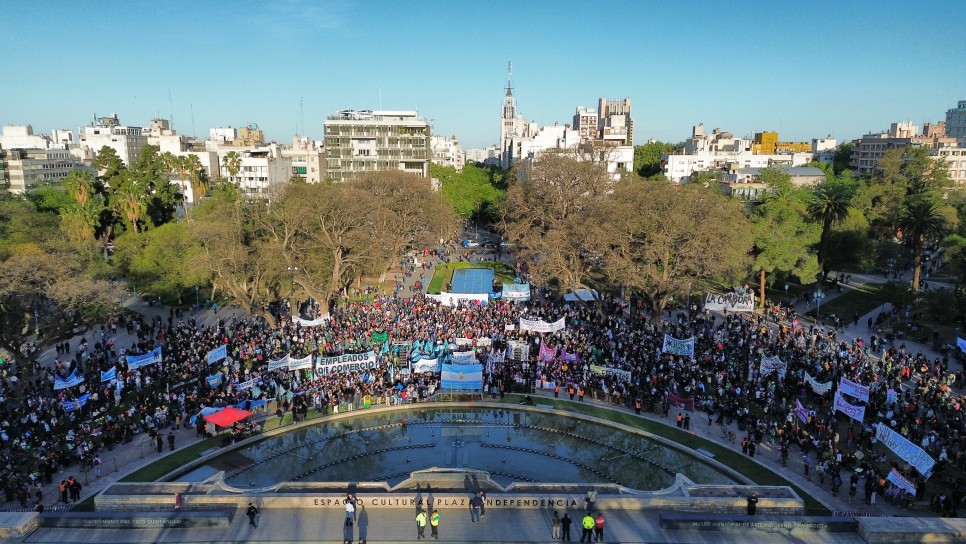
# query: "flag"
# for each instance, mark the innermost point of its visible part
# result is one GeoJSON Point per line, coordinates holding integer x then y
{"type": "Point", "coordinates": [681, 403]}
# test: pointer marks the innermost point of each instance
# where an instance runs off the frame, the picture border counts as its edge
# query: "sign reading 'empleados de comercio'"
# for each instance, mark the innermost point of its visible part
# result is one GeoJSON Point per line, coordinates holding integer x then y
{"type": "Point", "coordinates": [448, 501]}
{"type": "Point", "coordinates": [347, 362]}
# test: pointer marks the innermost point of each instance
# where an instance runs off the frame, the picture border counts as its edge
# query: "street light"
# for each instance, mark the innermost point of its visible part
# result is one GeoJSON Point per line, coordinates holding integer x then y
{"type": "Point", "coordinates": [819, 295]}
{"type": "Point", "coordinates": [292, 270]}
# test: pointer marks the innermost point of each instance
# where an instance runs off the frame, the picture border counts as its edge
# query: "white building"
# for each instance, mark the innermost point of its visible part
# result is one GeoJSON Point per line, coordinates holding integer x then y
{"type": "Point", "coordinates": [263, 169]}
{"type": "Point", "coordinates": [447, 151]}
{"type": "Point", "coordinates": [824, 149]}
{"type": "Point", "coordinates": [678, 168]}
{"type": "Point", "coordinates": [615, 122]}
{"type": "Point", "coordinates": [586, 123]}
{"type": "Point", "coordinates": [360, 141]}
{"type": "Point", "coordinates": [486, 155]}
{"type": "Point", "coordinates": [126, 141]}
{"type": "Point", "coordinates": [23, 137]}
{"type": "Point", "coordinates": [308, 159]}
{"type": "Point", "coordinates": [955, 159]}
{"type": "Point", "coordinates": [29, 168]}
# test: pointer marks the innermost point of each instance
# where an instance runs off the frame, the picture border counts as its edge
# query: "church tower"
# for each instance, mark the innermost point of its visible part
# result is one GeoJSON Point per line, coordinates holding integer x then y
{"type": "Point", "coordinates": [508, 122]}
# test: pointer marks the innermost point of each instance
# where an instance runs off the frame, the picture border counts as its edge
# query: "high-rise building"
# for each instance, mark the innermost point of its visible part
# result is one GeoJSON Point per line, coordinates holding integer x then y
{"type": "Point", "coordinates": [447, 151]}
{"type": "Point", "coordinates": [108, 131]}
{"type": "Point", "coordinates": [29, 168]}
{"type": "Point", "coordinates": [956, 122]}
{"type": "Point", "coordinates": [615, 122]}
{"type": "Point", "coordinates": [359, 141]}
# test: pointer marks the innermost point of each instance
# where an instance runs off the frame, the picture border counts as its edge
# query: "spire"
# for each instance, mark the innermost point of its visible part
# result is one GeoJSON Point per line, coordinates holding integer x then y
{"type": "Point", "coordinates": [509, 75]}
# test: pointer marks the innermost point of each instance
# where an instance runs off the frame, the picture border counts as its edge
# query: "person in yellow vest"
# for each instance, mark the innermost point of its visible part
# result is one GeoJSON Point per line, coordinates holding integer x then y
{"type": "Point", "coordinates": [588, 525]}
{"type": "Point", "coordinates": [556, 390]}
{"type": "Point", "coordinates": [421, 525]}
{"type": "Point", "coordinates": [434, 524]}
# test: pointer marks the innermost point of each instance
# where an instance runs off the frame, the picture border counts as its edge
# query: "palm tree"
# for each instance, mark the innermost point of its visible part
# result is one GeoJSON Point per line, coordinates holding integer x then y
{"type": "Point", "coordinates": [232, 163]}
{"type": "Point", "coordinates": [830, 205]}
{"type": "Point", "coordinates": [130, 204]}
{"type": "Point", "coordinates": [199, 184]}
{"type": "Point", "coordinates": [919, 220]}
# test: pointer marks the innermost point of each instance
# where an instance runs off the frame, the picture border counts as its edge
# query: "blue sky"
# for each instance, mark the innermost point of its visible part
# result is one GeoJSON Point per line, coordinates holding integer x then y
{"type": "Point", "coordinates": [806, 69]}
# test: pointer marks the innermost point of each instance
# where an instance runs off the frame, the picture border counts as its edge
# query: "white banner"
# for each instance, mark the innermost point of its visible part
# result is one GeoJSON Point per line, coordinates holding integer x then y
{"type": "Point", "coordinates": [854, 389]}
{"type": "Point", "coordinates": [901, 482]}
{"type": "Point", "coordinates": [904, 449]}
{"type": "Point", "coordinates": [678, 347]}
{"type": "Point", "coordinates": [347, 362]}
{"type": "Point", "coordinates": [245, 385]}
{"type": "Point", "coordinates": [611, 371]}
{"type": "Point", "coordinates": [454, 299]}
{"type": "Point", "coordinates": [312, 322]}
{"type": "Point", "coordinates": [516, 291]}
{"type": "Point", "coordinates": [732, 302]}
{"type": "Point", "coordinates": [279, 364]}
{"type": "Point", "coordinates": [539, 325]}
{"type": "Point", "coordinates": [855, 412]}
{"type": "Point", "coordinates": [773, 364]}
{"type": "Point", "coordinates": [298, 364]}
{"type": "Point", "coordinates": [425, 365]}
{"type": "Point", "coordinates": [819, 388]}
{"type": "Point", "coordinates": [464, 357]}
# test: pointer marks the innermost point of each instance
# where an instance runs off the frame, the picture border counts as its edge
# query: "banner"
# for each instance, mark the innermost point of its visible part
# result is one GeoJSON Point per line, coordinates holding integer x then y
{"type": "Point", "coordinates": [279, 364]}
{"type": "Point", "coordinates": [71, 381]}
{"type": "Point", "coordinates": [462, 377]}
{"type": "Point", "coordinates": [109, 375]}
{"type": "Point", "coordinates": [425, 365]}
{"type": "Point", "coordinates": [217, 354]}
{"type": "Point", "coordinates": [517, 292]}
{"type": "Point", "coordinates": [961, 344]}
{"type": "Point", "coordinates": [904, 449]}
{"type": "Point", "coordinates": [681, 403]}
{"type": "Point", "coordinates": [243, 386]}
{"type": "Point", "coordinates": [611, 371]}
{"type": "Point", "coordinates": [801, 411]}
{"type": "Point", "coordinates": [464, 357]}
{"type": "Point", "coordinates": [854, 389]}
{"type": "Point", "coordinates": [547, 353]}
{"type": "Point", "coordinates": [379, 337]}
{"type": "Point", "coordinates": [135, 362]}
{"type": "Point", "coordinates": [855, 412]}
{"type": "Point", "coordinates": [891, 396]}
{"type": "Point", "coordinates": [818, 388]}
{"type": "Point", "coordinates": [312, 322]}
{"type": "Point", "coordinates": [73, 405]}
{"type": "Point", "coordinates": [345, 363]}
{"type": "Point", "coordinates": [901, 482]}
{"type": "Point", "coordinates": [454, 299]}
{"type": "Point", "coordinates": [569, 357]}
{"type": "Point", "coordinates": [731, 302]}
{"type": "Point", "coordinates": [298, 364]}
{"type": "Point", "coordinates": [517, 351]}
{"type": "Point", "coordinates": [539, 325]}
{"type": "Point", "coordinates": [678, 347]}
{"type": "Point", "coordinates": [773, 364]}
{"type": "Point", "coordinates": [215, 379]}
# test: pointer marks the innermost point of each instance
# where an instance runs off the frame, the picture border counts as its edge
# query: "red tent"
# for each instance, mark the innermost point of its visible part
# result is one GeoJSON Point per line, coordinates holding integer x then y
{"type": "Point", "coordinates": [228, 416]}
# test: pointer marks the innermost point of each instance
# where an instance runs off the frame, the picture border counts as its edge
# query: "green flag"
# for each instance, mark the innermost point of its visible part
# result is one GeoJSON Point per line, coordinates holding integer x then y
{"type": "Point", "coordinates": [379, 337]}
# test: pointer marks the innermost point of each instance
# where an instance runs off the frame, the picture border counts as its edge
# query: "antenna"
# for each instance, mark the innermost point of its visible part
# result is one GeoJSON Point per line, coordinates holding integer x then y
{"type": "Point", "coordinates": [193, 121]}
{"type": "Point", "coordinates": [171, 107]}
{"type": "Point", "coordinates": [302, 111]}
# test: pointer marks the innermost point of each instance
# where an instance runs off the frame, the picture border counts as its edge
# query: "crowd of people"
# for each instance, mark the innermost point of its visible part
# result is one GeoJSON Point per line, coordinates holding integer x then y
{"type": "Point", "coordinates": [610, 350]}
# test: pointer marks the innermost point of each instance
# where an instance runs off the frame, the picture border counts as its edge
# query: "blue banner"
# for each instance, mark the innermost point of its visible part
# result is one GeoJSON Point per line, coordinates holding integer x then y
{"type": "Point", "coordinates": [217, 354]}
{"type": "Point", "coordinates": [135, 362]}
{"type": "Point", "coordinates": [109, 375]}
{"type": "Point", "coordinates": [71, 381]}
{"type": "Point", "coordinates": [74, 405]}
{"type": "Point", "coordinates": [961, 344]}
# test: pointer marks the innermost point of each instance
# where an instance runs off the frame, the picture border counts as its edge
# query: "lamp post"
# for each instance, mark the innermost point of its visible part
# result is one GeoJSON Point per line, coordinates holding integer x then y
{"type": "Point", "coordinates": [292, 270]}
{"type": "Point", "coordinates": [819, 295]}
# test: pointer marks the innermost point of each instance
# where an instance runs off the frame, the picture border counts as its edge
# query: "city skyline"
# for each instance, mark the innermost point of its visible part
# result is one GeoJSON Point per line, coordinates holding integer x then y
{"type": "Point", "coordinates": [840, 69]}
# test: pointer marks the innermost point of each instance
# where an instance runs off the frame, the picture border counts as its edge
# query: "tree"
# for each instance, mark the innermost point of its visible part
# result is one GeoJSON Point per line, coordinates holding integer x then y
{"type": "Point", "coordinates": [783, 242]}
{"type": "Point", "coordinates": [107, 163]}
{"type": "Point", "coordinates": [553, 214]}
{"type": "Point", "coordinates": [920, 220]}
{"type": "Point", "coordinates": [129, 202]}
{"type": "Point", "coordinates": [830, 204]}
{"type": "Point", "coordinates": [842, 159]}
{"type": "Point", "coordinates": [81, 218]}
{"type": "Point", "coordinates": [231, 162]}
{"type": "Point", "coordinates": [469, 191]}
{"type": "Point", "coordinates": [669, 238]}
{"type": "Point", "coordinates": [161, 261]}
{"type": "Point", "coordinates": [647, 157]}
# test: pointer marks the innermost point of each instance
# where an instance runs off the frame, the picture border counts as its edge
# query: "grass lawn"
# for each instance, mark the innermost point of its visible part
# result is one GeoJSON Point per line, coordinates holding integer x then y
{"type": "Point", "coordinates": [179, 458]}
{"type": "Point", "coordinates": [858, 300]}
{"type": "Point", "coordinates": [443, 276]}
{"type": "Point", "coordinates": [731, 458]}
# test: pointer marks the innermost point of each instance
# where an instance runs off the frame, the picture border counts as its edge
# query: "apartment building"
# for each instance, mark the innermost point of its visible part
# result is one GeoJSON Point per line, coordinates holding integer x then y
{"type": "Point", "coordinates": [361, 141]}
